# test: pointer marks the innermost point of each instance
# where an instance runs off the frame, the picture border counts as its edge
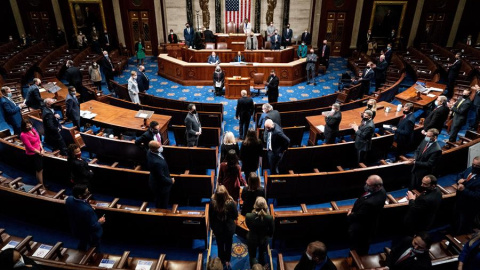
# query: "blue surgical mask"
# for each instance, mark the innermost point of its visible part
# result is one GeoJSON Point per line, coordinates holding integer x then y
{"type": "Point", "coordinates": [9, 95]}
{"type": "Point", "coordinates": [427, 139]}
{"type": "Point", "coordinates": [20, 263]}
{"type": "Point", "coordinates": [436, 103]}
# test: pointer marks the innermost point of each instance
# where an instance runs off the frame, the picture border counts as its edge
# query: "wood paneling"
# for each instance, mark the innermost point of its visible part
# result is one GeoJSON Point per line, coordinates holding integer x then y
{"type": "Point", "coordinates": [438, 15]}
{"type": "Point", "coordinates": [470, 24]}
{"type": "Point", "coordinates": [6, 18]}
{"type": "Point", "coordinates": [38, 18]}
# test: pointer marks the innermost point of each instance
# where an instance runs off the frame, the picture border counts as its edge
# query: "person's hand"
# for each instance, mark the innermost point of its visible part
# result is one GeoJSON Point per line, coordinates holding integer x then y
{"type": "Point", "coordinates": [198, 133]}
{"type": "Point", "coordinates": [423, 132]}
{"type": "Point", "coordinates": [173, 180]}
{"type": "Point", "coordinates": [461, 181]}
{"type": "Point", "coordinates": [354, 126]}
{"type": "Point", "coordinates": [57, 116]}
{"type": "Point", "coordinates": [113, 69]}
{"type": "Point", "coordinates": [394, 128]}
{"type": "Point", "coordinates": [411, 195]}
{"type": "Point", "coordinates": [460, 187]}
{"type": "Point", "coordinates": [410, 161]}
{"type": "Point", "coordinates": [101, 220]}
{"type": "Point", "coordinates": [349, 212]}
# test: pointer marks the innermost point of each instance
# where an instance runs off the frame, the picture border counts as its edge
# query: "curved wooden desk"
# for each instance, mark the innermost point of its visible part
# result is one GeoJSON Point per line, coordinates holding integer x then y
{"type": "Point", "coordinates": [227, 55]}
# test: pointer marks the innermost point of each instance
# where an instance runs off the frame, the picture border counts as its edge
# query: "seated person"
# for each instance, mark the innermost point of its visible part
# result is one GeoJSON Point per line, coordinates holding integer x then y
{"type": "Point", "coordinates": [239, 57]}
{"type": "Point", "coordinates": [411, 253]}
{"type": "Point", "coordinates": [213, 59]}
{"type": "Point", "coordinates": [251, 43]}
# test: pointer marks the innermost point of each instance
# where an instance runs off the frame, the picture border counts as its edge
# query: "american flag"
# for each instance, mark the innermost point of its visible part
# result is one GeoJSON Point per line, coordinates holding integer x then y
{"type": "Point", "coordinates": [237, 10]}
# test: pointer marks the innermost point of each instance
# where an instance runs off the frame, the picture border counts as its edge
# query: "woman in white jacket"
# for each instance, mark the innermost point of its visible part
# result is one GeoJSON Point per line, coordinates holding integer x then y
{"type": "Point", "coordinates": [133, 88]}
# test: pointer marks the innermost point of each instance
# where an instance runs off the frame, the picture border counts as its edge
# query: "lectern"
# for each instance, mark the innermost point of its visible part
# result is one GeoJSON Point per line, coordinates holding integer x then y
{"type": "Point", "coordinates": [234, 85]}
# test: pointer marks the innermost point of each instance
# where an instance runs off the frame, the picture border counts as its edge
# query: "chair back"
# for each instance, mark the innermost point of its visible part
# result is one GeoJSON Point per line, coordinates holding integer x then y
{"type": "Point", "coordinates": [258, 78]}
{"type": "Point", "coordinates": [268, 45]}
{"type": "Point", "coordinates": [231, 27]}
{"type": "Point", "coordinates": [222, 45]}
{"type": "Point", "coordinates": [210, 46]}
{"type": "Point", "coordinates": [268, 59]}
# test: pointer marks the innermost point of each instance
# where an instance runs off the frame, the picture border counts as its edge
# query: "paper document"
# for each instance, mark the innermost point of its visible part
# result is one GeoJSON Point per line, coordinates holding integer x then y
{"type": "Point", "coordinates": [321, 128]}
{"type": "Point", "coordinates": [435, 89]}
{"type": "Point", "coordinates": [144, 265]}
{"type": "Point", "coordinates": [387, 126]}
{"type": "Point", "coordinates": [402, 200]}
{"type": "Point", "coordinates": [41, 90]}
{"type": "Point", "coordinates": [102, 204]}
{"type": "Point", "coordinates": [42, 251]}
{"type": "Point", "coordinates": [143, 115]}
{"type": "Point", "coordinates": [11, 244]}
{"type": "Point", "coordinates": [431, 95]}
{"type": "Point", "coordinates": [106, 263]}
{"type": "Point", "coordinates": [193, 213]}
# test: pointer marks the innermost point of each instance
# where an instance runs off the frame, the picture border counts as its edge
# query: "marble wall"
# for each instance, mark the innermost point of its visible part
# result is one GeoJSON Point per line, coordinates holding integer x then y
{"type": "Point", "coordinates": [176, 16]}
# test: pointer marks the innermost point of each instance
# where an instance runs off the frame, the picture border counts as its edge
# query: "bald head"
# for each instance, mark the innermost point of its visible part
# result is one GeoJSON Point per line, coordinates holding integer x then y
{"type": "Point", "coordinates": [269, 124]}
{"type": "Point", "coordinates": [154, 146]}
{"type": "Point", "coordinates": [49, 101]}
{"type": "Point", "coordinates": [374, 183]}
{"type": "Point", "coordinates": [243, 93]}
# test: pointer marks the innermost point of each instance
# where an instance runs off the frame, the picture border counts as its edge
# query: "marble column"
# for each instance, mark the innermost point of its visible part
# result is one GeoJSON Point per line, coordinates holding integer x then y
{"type": "Point", "coordinates": [356, 24]}
{"type": "Point", "coordinates": [218, 16]}
{"type": "Point", "coordinates": [258, 8]}
{"type": "Point", "coordinates": [316, 22]}
{"type": "Point", "coordinates": [190, 13]}
{"type": "Point", "coordinates": [158, 21]}
{"type": "Point", "coordinates": [286, 13]}
{"type": "Point", "coordinates": [18, 18]}
{"type": "Point", "coordinates": [415, 22]}
{"type": "Point", "coordinates": [118, 21]}
{"type": "Point", "coordinates": [456, 23]}
{"type": "Point", "coordinates": [58, 14]}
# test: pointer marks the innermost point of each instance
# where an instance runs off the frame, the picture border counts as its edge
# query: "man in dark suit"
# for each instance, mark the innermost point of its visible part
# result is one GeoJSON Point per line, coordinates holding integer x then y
{"type": "Point", "coordinates": [411, 253]}
{"type": "Point", "coordinates": [33, 99]}
{"type": "Point", "coordinates": [315, 258]}
{"type": "Point", "coordinates": [363, 135]}
{"type": "Point", "coordinates": [213, 59]}
{"type": "Point", "coordinates": [172, 37]}
{"type": "Point", "coordinates": [363, 217]}
{"type": "Point", "coordinates": [193, 126]}
{"type": "Point", "coordinates": [388, 53]}
{"type": "Point", "coordinates": [367, 75]}
{"type": "Point", "coordinates": [272, 87]}
{"type": "Point", "coordinates": [142, 80]}
{"type": "Point", "coordinates": [239, 57]}
{"type": "Point", "coordinates": [306, 37]}
{"type": "Point", "coordinates": [423, 208]}
{"type": "Point", "coordinates": [269, 113]}
{"type": "Point", "coordinates": [73, 107]}
{"type": "Point", "coordinates": [426, 157]}
{"type": "Point", "coordinates": [106, 41]}
{"type": "Point", "coordinates": [404, 130]}
{"type": "Point", "coordinates": [245, 109]}
{"type": "Point", "coordinates": [74, 77]}
{"type": "Point", "coordinates": [476, 107]}
{"type": "Point", "coordinates": [460, 114]}
{"type": "Point", "coordinates": [436, 118]}
{"type": "Point", "coordinates": [287, 36]}
{"type": "Point", "coordinates": [453, 70]}
{"type": "Point", "coordinates": [332, 122]}
{"type": "Point", "coordinates": [84, 223]}
{"type": "Point", "coordinates": [380, 72]}
{"type": "Point", "coordinates": [108, 69]}
{"type": "Point", "coordinates": [468, 198]}
{"type": "Point", "coordinates": [11, 111]}
{"type": "Point", "coordinates": [277, 143]}
{"type": "Point", "coordinates": [152, 134]}
{"type": "Point", "coordinates": [52, 128]}
{"type": "Point", "coordinates": [208, 35]}
{"type": "Point", "coordinates": [276, 40]}
{"type": "Point", "coordinates": [325, 54]}
{"type": "Point", "coordinates": [159, 181]}
{"type": "Point", "coordinates": [189, 35]}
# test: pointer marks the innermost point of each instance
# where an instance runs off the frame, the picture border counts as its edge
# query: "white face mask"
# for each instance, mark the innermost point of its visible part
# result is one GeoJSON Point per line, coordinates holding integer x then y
{"type": "Point", "coordinates": [160, 150]}
{"type": "Point", "coordinates": [308, 256]}
{"type": "Point", "coordinates": [20, 263]}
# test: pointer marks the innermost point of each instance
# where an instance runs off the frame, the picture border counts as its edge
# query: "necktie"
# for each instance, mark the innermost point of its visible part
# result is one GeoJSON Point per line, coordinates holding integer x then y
{"type": "Point", "coordinates": [458, 105]}
{"type": "Point", "coordinates": [251, 39]}
{"type": "Point", "coordinates": [269, 141]}
{"type": "Point", "coordinates": [172, 37]}
{"type": "Point", "coordinates": [470, 176]}
{"type": "Point", "coordinates": [323, 51]}
{"type": "Point", "coordinates": [426, 147]}
{"type": "Point", "coordinates": [409, 253]}
{"type": "Point", "coordinates": [159, 139]}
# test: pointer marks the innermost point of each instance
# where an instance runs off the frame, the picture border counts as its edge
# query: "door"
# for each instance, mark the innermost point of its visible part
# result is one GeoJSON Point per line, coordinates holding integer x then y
{"type": "Point", "coordinates": [335, 33]}
{"type": "Point", "coordinates": [140, 28]}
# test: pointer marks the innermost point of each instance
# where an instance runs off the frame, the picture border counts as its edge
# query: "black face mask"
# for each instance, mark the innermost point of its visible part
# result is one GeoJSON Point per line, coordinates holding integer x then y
{"type": "Point", "coordinates": [475, 170]}
{"type": "Point", "coordinates": [194, 111]}
{"type": "Point", "coordinates": [369, 106]}
{"type": "Point", "coordinates": [406, 112]}
{"type": "Point", "coordinates": [154, 131]}
{"type": "Point", "coordinates": [466, 96]}
{"type": "Point", "coordinates": [365, 119]}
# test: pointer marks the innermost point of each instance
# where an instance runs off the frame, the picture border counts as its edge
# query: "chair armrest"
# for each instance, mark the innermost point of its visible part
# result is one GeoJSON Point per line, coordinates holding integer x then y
{"type": "Point", "coordinates": [160, 262]}
{"type": "Point", "coordinates": [123, 260]}
{"type": "Point", "coordinates": [356, 259]}
{"type": "Point", "coordinates": [199, 261]}
{"type": "Point", "coordinates": [56, 250]}
{"type": "Point", "coordinates": [88, 256]}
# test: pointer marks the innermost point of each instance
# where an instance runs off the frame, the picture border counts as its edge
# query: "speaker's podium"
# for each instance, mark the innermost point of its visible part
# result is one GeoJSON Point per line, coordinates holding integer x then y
{"type": "Point", "coordinates": [234, 85]}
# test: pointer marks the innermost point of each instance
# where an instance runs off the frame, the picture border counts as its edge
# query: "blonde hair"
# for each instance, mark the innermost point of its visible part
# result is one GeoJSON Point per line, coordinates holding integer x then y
{"type": "Point", "coordinates": [133, 73]}
{"type": "Point", "coordinates": [260, 208]}
{"type": "Point", "coordinates": [374, 107]}
{"type": "Point", "coordinates": [228, 138]}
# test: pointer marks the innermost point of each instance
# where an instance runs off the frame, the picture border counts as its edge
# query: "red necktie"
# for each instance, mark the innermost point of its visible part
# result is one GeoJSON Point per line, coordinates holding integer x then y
{"type": "Point", "coordinates": [425, 149]}
{"type": "Point", "coordinates": [172, 37]}
{"type": "Point", "coordinates": [323, 51]}
{"type": "Point", "coordinates": [469, 177]}
{"type": "Point", "coordinates": [159, 139]}
{"type": "Point", "coordinates": [406, 256]}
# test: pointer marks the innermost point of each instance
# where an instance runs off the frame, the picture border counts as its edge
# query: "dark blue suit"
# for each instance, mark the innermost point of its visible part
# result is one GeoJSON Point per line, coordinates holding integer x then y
{"type": "Point", "coordinates": [142, 82]}
{"type": "Point", "coordinates": [189, 36]}
{"type": "Point", "coordinates": [160, 182]}
{"type": "Point", "coordinates": [73, 110]}
{"type": "Point", "coordinates": [12, 114]}
{"type": "Point", "coordinates": [34, 100]}
{"type": "Point", "coordinates": [213, 59]}
{"type": "Point", "coordinates": [366, 78]}
{"type": "Point", "coordinates": [468, 203]}
{"type": "Point", "coordinates": [276, 41]}
{"type": "Point", "coordinates": [404, 133]}
{"type": "Point", "coordinates": [84, 223]}
{"type": "Point", "coordinates": [52, 129]}
{"type": "Point", "coordinates": [278, 143]}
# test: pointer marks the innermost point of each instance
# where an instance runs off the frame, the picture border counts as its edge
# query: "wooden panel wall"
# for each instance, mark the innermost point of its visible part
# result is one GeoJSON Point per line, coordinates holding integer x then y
{"type": "Point", "coordinates": [6, 18]}
{"type": "Point", "coordinates": [42, 8]}
{"type": "Point", "coordinates": [470, 23]}
{"type": "Point", "coordinates": [432, 13]}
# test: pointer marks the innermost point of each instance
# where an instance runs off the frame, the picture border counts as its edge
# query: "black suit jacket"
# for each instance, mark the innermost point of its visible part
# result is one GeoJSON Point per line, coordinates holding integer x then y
{"type": "Point", "coordinates": [192, 126]}
{"type": "Point", "coordinates": [259, 230]}
{"type": "Point", "coordinates": [460, 112]}
{"type": "Point", "coordinates": [436, 119]}
{"type": "Point", "coordinates": [276, 45]}
{"type": "Point", "coordinates": [454, 69]}
{"type": "Point", "coordinates": [364, 134]}
{"type": "Point", "coordinates": [74, 76]}
{"type": "Point", "coordinates": [366, 210]}
{"type": "Point", "coordinates": [143, 82]}
{"type": "Point", "coordinates": [235, 59]}
{"type": "Point", "coordinates": [245, 108]}
{"type": "Point", "coordinates": [280, 141]}
{"type": "Point", "coordinates": [388, 56]}
{"type": "Point", "coordinates": [476, 99]}
{"type": "Point", "coordinates": [275, 116]}
{"type": "Point", "coordinates": [51, 126]}
{"type": "Point", "coordinates": [73, 108]}
{"type": "Point", "coordinates": [380, 70]}
{"type": "Point", "coordinates": [144, 139]}
{"type": "Point", "coordinates": [80, 171]}
{"type": "Point", "coordinates": [174, 39]}
{"type": "Point", "coordinates": [107, 66]}
{"type": "Point", "coordinates": [417, 262]}
{"type": "Point", "coordinates": [327, 52]}
{"type": "Point", "coordinates": [367, 77]}
{"type": "Point", "coordinates": [404, 132]}
{"type": "Point", "coordinates": [219, 77]}
{"type": "Point", "coordinates": [34, 100]}
{"type": "Point", "coordinates": [223, 224]}
{"type": "Point", "coordinates": [307, 38]}
{"type": "Point", "coordinates": [469, 198]}
{"type": "Point", "coordinates": [331, 125]}
{"type": "Point", "coordinates": [306, 264]}
{"type": "Point", "coordinates": [209, 36]}
{"type": "Point", "coordinates": [159, 179]}
{"type": "Point", "coordinates": [421, 211]}
{"type": "Point", "coordinates": [426, 161]}
{"type": "Point", "coordinates": [272, 86]}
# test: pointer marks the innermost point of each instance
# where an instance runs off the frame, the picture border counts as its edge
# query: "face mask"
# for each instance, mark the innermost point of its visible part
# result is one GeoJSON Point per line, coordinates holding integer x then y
{"type": "Point", "coordinates": [421, 189]}
{"type": "Point", "coordinates": [288, 26]}
{"type": "Point", "coordinates": [308, 256]}
{"type": "Point", "coordinates": [406, 112]}
{"type": "Point", "coordinates": [154, 131]}
{"type": "Point", "coordinates": [427, 139]}
{"type": "Point", "coordinates": [365, 119]}
{"type": "Point", "coordinates": [194, 111]}
{"type": "Point", "coordinates": [303, 44]}
{"type": "Point", "coordinates": [369, 106]}
{"type": "Point", "coordinates": [160, 150]}
{"type": "Point", "coordinates": [466, 96]}
{"type": "Point", "coordinates": [366, 188]}
{"type": "Point", "coordinates": [79, 155]}
{"type": "Point", "coordinates": [135, 77]}
{"type": "Point", "coordinates": [20, 263]}
{"type": "Point", "coordinates": [436, 103]}
{"type": "Point", "coordinates": [9, 95]}
{"type": "Point", "coordinates": [171, 33]}
{"type": "Point", "coordinates": [475, 169]}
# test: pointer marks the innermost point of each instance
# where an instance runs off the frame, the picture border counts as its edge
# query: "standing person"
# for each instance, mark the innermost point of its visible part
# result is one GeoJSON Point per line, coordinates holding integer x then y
{"type": "Point", "coordinates": [189, 35]}
{"type": "Point", "coordinates": [363, 136]}
{"type": "Point", "coordinates": [227, 145]}
{"type": "Point", "coordinates": [159, 181]}
{"type": "Point", "coordinates": [251, 192]}
{"type": "Point", "coordinates": [311, 66]}
{"type": "Point", "coordinates": [95, 75]}
{"type": "Point", "coordinates": [172, 38]}
{"type": "Point", "coordinates": [411, 253]}
{"type": "Point", "coordinates": [52, 127]}
{"type": "Point", "coordinates": [453, 70]}
{"type": "Point", "coordinates": [140, 51]}
{"type": "Point", "coordinates": [302, 51]}
{"type": "Point", "coordinates": [269, 113]}
{"type": "Point", "coordinates": [74, 77]}
{"type": "Point", "coordinates": [230, 175]}
{"type": "Point", "coordinates": [436, 118]}
{"type": "Point", "coordinates": [380, 72]}
{"type": "Point", "coordinates": [476, 107]}
{"type": "Point", "coordinates": [287, 36]}
{"type": "Point", "coordinates": [108, 69]}
{"type": "Point", "coordinates": [260, 225]}
{"type": "Point", "coordinates": [152, 134]}
{"type": "Point", "coordinates": [388, 53]}
{"type": "Point", "coordinates": [247, 27]}
{"type": "Point", "coordinates": [106, 40]}
{"type": "Point", "coordinates": [306, 37]}
{"type": "Point", "coordinates": [142, 80]}
{"type": "Point", "coordinates": [332, 123]}
{"type": "Point", "coordinates": [469, 259]}
{"type": "Point", "coordinates": [275, 40]}
{"type": "Point", "coordinates": [367, 76]}
{"type": "Point", "coordinates": [250, 152]}
{"type": "Point", "coordinates": [73, 107]}
{"type": "Point", "coordinates": [277, 143]}
{"type": "Point", "coordinates": [363, 217]}
{"type": "Point", "coordinates": [426, 157]}
{"type": "Point", "coordinates": [59, 38]}
{"type": "Point", "coordinates": [270, 30]}
{"type": "Point", "coordinates": [80, 172]}
{"type": "Point", "coordinates": [222, 215]}
{"type": "Point", "coordinates": [33, 99]}
{"type": "Point", "coordinates": [459, 112]}
{"type": "Point", "coordinates": [325, 55]}
{"type": "Point", "coordinates": [193, 127]}
{"type": "Point", "coordinates": [371, 106]}
{"type": "Point", "coordinates": [33, 148]}
{"type": "Point", "coordinates": [208, 35]}
{"type": "Point", "coordinates": [468, 198]}
{"type": "Point", "coordinates": [423, 208]}
{"type": "Point", "coordinates": [133, 88]}
{"type": "Point", "coordinates": [272, 87]}
{"type": "Point", "coordinates": [84, 222]}
{"type": "Point", "coordinates": [251, 43]}
{"type": "Point", "coordinates": [315, 257]}
{"type": "Point", "coordinates": [11, 111]}
{"type": "Point", "coordinates": [245, 109]}
{"type": "Point", "coordinates": [218, 80]}
{"type": "Point", "coordinates": [404, 130]}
